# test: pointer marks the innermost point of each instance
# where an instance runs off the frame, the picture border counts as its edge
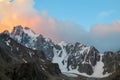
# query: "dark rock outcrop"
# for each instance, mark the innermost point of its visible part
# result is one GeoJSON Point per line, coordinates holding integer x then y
{"type": "Point", "coordinates": [21, 63]}
{"type": "Point", "coordinates": [111, 61]}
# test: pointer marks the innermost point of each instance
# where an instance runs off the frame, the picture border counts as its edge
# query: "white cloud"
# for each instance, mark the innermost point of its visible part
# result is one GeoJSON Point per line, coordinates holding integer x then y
{"type": "Point", "coordinates": [105, 13]}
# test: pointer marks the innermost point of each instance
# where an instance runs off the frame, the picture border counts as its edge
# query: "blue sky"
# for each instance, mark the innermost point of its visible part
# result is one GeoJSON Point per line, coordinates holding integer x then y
{"type": "Point", "coordinates": [83, 12]}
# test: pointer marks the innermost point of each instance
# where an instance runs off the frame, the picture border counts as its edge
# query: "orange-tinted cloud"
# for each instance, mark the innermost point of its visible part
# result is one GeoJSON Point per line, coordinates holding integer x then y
{"type": "Point", "coordinates": [15, 13]}
{"type": "Point", "coordinates": [21, 12]}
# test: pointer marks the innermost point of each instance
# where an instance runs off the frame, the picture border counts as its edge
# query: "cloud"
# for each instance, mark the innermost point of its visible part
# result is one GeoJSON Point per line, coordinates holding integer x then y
{"type": "Point", "coordinates": [21, 12]}
{"type": "Point", "coordinates": [105, 13]}
{"type": "Point", "coordinates": [103, 37]}
{"type": "Point", "coordinates": [106, 37]}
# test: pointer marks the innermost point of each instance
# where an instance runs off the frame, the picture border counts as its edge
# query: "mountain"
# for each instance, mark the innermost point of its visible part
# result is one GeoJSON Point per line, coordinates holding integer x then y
{"type": "Point", "coordinates": [28, 38]}
{"type": "Point", "coordinates": [20, 63]}
{"type": "Point", "coordinates": [26, 48]}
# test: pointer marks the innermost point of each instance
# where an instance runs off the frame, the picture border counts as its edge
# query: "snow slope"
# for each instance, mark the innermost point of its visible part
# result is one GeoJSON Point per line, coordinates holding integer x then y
{"type": "Point", "coordinates": [61, 56]}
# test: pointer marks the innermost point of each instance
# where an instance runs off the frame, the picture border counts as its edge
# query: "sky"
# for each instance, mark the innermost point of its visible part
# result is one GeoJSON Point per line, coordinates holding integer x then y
{"type": "Point", "coordinates": [83, 12]}
{"type": "Point", "coordinates": [92, 22]}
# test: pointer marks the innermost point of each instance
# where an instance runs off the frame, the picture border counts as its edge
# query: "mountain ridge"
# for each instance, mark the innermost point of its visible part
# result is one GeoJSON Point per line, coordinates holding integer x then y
{"type": "Point", "coordinates": [73, 59]}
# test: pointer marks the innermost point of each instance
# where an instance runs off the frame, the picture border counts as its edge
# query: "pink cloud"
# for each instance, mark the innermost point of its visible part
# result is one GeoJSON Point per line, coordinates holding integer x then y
{"type": "Point", "coordinates": [102, 29]}
{"type": "Point", "coordinates": [22, 12]}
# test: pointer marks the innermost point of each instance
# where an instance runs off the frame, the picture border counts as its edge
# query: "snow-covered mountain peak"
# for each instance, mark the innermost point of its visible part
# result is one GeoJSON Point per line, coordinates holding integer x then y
{"type": "Point", "coordinates": [70, 57]}
{"type": "Point", "coordinates": [6, 32]}
{"type": "Point", "coordinates": [62, 43]}
{"type": "Point", "coordinates": [73, 58]}
{"type": "Point", "coordinates": [20, 31]}
{"type": "Point", "coordinates": [17, 30]}
{"type": "Point", "coordinates": [29, 32]}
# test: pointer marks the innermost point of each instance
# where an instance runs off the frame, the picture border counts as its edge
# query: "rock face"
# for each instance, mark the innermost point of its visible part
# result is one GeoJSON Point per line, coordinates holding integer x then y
{"type": "Point", "coordinates": [27, 71]}
{"type": "Point", "coordinates": [76, 58]}
{"type": "Point", "coordinates": [72, 59]}
{"type": "Point", "coordinates": [20, 63]}
{"type": "Point", "coordinates": [28, 38]}
{"type": "Point", "coordinates": [111, 61]}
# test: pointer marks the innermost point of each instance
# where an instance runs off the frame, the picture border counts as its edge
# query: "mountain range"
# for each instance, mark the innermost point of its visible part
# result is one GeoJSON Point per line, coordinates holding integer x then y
{"type": "Point", "coordinates": [25, 55]}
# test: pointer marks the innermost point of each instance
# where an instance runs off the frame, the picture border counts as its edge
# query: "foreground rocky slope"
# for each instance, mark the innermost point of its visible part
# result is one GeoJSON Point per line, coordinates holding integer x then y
{"type": "Point", "coordinates": [73, 59]}
{"type": "Point", "coordinates": [20, 63]}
